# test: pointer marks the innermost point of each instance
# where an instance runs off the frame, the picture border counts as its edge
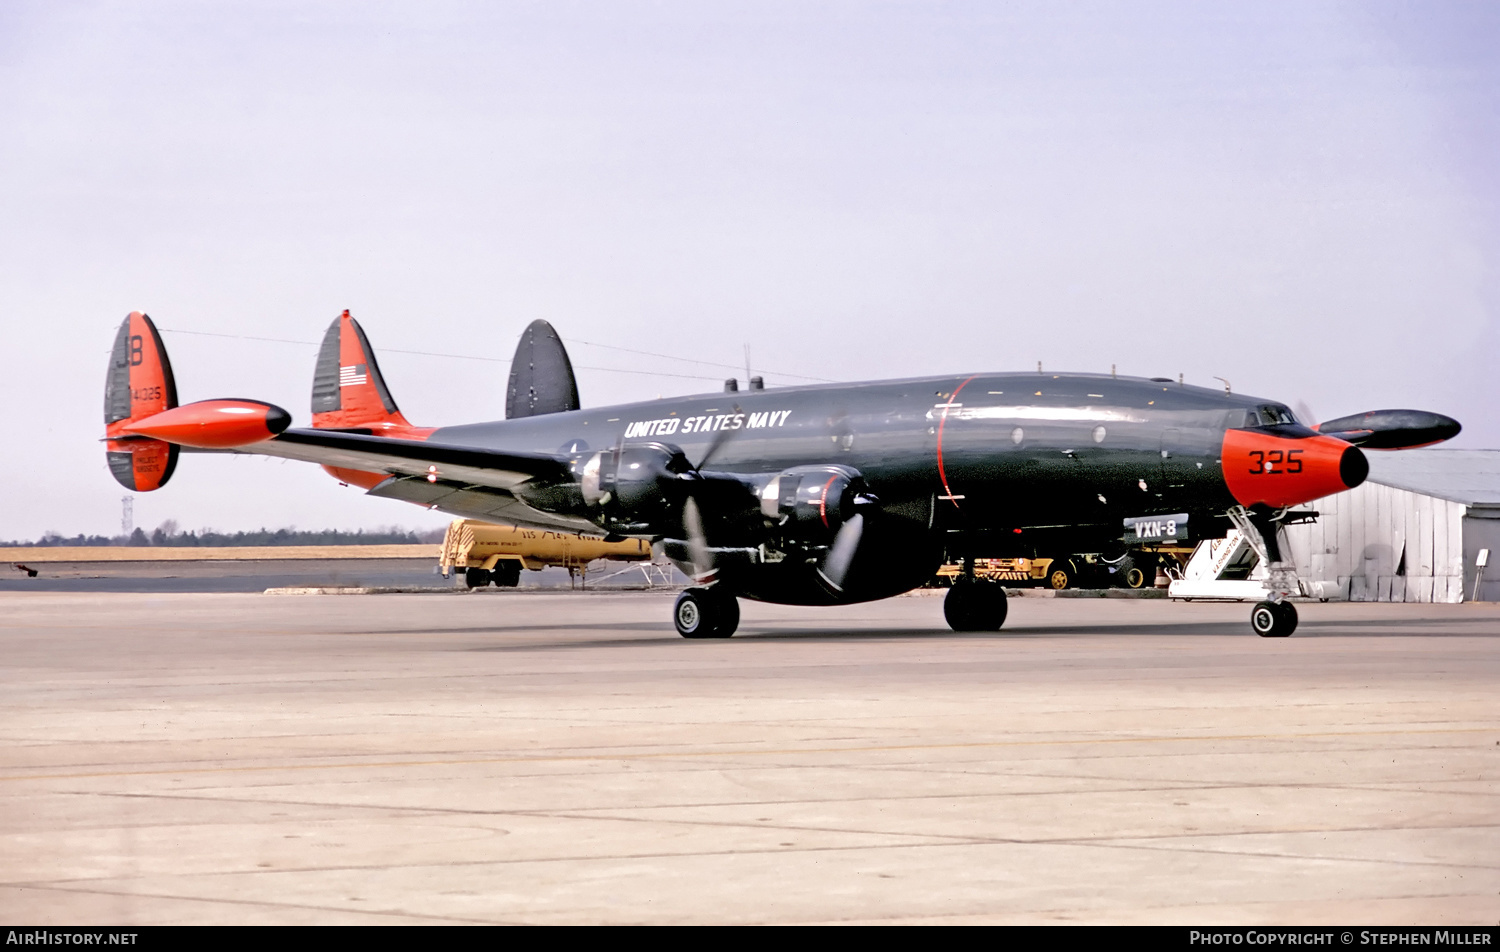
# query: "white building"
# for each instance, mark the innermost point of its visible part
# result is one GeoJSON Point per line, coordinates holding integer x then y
{"type": "Point", "coordinates": [1413, 532]}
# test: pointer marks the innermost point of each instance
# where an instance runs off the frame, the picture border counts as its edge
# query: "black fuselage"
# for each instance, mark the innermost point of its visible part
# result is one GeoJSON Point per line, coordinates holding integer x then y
{"type": "Point", "coordinates": [990, 465]}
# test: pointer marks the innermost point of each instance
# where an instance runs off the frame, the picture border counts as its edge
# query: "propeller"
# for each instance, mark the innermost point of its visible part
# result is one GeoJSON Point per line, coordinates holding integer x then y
{"type": "Point", "coordinates": [720, 440]}
{"type": "Point", "coordinates": [841, 554]}
{"type": "Point", "coordinates": [699, 553]}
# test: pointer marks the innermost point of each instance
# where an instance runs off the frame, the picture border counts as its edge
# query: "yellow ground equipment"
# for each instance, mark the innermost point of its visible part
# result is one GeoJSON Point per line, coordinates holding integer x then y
{"type": "Point", "coordinates": [1022, 571]}
{"type": "Point", "coordinates": [1136, 570]}
{"type": "Point", "coordinates": [489, 553]}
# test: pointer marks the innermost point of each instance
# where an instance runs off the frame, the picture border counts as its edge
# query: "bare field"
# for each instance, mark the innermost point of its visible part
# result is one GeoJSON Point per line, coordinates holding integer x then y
{"type": "Point", "coordinates": [213, 758]}
{"type": "Point", "coordinates": [221, 553]}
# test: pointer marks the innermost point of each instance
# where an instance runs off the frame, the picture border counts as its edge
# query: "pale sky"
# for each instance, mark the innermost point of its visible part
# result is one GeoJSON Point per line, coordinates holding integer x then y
{"type": "Point", "coordinates": [1301, 197]}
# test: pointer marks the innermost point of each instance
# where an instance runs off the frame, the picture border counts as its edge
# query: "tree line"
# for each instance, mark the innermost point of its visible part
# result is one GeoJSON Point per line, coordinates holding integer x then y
{"type": "Point", "coordinates": [167, 534]}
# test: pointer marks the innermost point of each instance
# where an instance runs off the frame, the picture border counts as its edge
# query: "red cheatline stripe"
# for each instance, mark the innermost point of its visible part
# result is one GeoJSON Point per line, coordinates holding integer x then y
{"type": "Point", "coordinates": [942, 474]}
{"type": "Point", "coordinates": [823, 501]}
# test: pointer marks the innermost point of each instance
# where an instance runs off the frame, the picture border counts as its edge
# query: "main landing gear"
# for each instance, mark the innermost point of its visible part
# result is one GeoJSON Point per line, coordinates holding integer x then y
{"type": "Point", "coordinates": [706, 613]}
{"type": "Point", "coordinates": [975, 605]}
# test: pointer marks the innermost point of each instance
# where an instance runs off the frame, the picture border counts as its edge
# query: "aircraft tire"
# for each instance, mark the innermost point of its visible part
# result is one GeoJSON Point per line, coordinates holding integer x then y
{"type": "Point", "coordinates": [1274, 619]}
{"type": "Point", "coordinates": [705, 613]}
{"type": "Point", "coordinates": [975, 606]}
{"type": "Point", "coordinates": [476, 578]}
{"type": "Point", "coordinates": [1288, 617]}
{"type": "Point", "coordinates": [729, 621]}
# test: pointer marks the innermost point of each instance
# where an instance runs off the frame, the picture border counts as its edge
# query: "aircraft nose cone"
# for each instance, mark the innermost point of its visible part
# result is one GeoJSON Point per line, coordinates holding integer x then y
{"type": "Point", "coordinates": [1354, 467]}
{"type": "Point", "coordinates": [1281, 468]}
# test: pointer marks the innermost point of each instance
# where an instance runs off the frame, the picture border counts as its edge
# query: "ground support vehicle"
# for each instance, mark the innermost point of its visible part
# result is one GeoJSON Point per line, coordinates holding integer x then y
{"type": "Point", "coordinates": [1135, 569]}
{"type": "Point", "coordinates": [486, 553]}
{"type": "Point", "coordinates": [1231, 569]}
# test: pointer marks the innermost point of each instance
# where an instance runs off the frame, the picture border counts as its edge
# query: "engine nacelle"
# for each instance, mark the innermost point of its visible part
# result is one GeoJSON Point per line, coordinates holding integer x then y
{"type": "Point", "coordinates": [808, 504]}
{"type": "Point", "coordinates": [632, 479]}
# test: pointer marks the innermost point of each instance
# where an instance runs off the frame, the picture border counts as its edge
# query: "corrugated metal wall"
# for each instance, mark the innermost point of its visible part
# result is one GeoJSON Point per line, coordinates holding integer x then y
{"type": "Point", "coordinates": [1387, 545]}
{"type": "Point", "coordinates": [1482, 532]}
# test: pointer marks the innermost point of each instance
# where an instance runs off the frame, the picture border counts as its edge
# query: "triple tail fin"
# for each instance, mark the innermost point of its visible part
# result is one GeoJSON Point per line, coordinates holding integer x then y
{"type": "Point", "coordinates": [348, 390]}
{"type": "Point", "coordinates": [139, 384]}
{"type": "Point", "coordinates": [349, 393]}
{"type": "Point", "coordinates": [541, 376]}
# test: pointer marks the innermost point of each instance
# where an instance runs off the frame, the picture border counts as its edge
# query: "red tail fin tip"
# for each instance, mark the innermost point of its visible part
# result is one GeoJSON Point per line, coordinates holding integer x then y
{"type": "Point", "coordinates": [349, 391]}
{"type": "Point", "coordinates": [138, 384]}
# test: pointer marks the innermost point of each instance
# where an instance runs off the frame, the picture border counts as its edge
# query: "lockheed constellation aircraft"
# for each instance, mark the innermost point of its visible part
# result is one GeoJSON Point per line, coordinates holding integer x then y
{"type": "Point", "coordinates": [810, 495]}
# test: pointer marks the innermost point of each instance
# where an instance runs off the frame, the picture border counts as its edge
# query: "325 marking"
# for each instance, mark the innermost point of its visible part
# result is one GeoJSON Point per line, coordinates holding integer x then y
{"type": "Point", "coordinates": [1276, 461]}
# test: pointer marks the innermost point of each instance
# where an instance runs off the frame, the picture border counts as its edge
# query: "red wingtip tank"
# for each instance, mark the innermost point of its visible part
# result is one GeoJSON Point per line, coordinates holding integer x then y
{"type": "Point", "coordinates": [214, 424]}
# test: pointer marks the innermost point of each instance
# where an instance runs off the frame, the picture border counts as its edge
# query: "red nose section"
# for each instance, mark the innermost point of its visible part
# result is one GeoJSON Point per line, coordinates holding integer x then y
{"type": "Point", "coordinates": [1282, 470]}
{"type": "Point", "coordinates": [214, 424]}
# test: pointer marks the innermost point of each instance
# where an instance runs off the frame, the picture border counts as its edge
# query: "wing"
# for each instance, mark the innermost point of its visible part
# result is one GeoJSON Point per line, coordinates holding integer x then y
{"type": "Point", "coordinates": [493, 469]}
{"type": "Point", "coordinates": [466, 481]}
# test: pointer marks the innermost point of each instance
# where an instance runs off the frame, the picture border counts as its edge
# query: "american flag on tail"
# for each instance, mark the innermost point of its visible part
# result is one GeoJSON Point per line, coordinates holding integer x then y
{"type": "Point", "coordinates": [351, 376]}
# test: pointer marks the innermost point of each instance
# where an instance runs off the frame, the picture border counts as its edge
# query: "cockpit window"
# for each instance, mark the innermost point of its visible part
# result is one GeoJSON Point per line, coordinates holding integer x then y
{"type": "Point", "coordinates": [1272, 415]}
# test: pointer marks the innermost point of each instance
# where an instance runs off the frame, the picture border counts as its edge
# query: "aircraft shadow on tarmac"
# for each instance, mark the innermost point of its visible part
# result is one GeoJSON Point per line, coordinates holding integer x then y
{"type": "Point", "coordinates": [1431, 628]}
{"type": "Point", "coordinates": [830, 635]}
{"type": "Point", "coordinates": [1377, 628]}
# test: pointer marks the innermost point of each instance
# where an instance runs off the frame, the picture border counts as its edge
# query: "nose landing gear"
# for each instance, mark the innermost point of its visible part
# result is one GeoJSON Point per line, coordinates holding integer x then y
{"type": "Point", "coordinates": [1274, 619]}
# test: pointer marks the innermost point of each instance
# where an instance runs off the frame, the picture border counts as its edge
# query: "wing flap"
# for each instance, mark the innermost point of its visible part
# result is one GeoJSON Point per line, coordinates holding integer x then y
{"type": "Point", "coordinates": [494, 469]}
{"type": "Point", "coordinates": [475, 502]}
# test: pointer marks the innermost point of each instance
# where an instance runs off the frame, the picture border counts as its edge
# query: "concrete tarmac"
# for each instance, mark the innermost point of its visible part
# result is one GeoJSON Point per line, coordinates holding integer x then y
{"type": "Point", "coordinates": [257, 575]}
{"type": "Point", "coordinates": [504, 758]}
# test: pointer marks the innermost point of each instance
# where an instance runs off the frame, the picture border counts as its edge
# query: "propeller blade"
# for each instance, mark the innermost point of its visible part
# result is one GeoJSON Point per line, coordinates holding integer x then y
{"type": "Point", "coordinates": [841, 553]}
{"type": "Point", "coordinates": [721, 439]}
{"type": "Point", "coordinates": [697, 540]}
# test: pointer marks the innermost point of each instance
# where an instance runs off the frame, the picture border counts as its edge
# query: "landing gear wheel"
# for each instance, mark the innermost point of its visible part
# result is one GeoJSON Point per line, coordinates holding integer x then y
{"type": "Point", "coordinates": [975, 606]}
{"type": "Point", "coordinates": [1288, 617]}
{"type": "Point", "coordinates": [729, 620]}
{"type": "Point", "coordinates": [1061, 574]}
{"type": "Point", "coordinates": [476, 578]}
{"type": "Point", "coordinates": [706, 613]}
{"type": "Point", "coordinates": [507, 574]}
{"type": "Point", "coordinates": [1274, 619]}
